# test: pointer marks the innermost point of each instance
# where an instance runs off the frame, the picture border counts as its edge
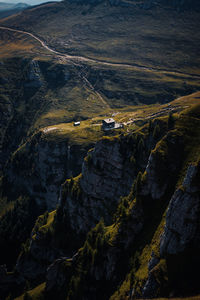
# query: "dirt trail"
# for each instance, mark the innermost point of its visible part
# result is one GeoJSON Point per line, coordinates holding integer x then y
{"type": "Point", "coordinates": [78, 59]}
{"type": "Point", "coordinates": [72, 59]}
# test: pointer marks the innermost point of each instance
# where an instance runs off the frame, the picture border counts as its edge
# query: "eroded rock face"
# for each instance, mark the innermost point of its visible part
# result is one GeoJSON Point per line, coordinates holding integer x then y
{"type": "Point", "coordinates": [181, 227]}
{"type": "Point", "coordinates": [34, 76]}
{"type": "Point", "coordinates": [152, 186]}
{"type": "Point", "coordinates": [181, 232]}
{"type": "Point", "coordinates": [58, 274]}
{"type": "Point", "coordinates": [163, 166]}
{"type": "Point", "coordinates": [34, 263]}
{"type": "Point", "coordinates": [106, 176]}
{"type": "Point", "coordinates": [40, 166]}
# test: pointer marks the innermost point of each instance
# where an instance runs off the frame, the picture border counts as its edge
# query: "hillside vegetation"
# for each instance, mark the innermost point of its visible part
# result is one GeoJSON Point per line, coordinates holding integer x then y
{"type": "Point", "coordinates": [158, 36]}
{"type": "Point", "coordinates": [158, 43]}
{"type": "Point", "coordinates": [137, 251]}
{"type": "Point", "coordinates": [87, 213]}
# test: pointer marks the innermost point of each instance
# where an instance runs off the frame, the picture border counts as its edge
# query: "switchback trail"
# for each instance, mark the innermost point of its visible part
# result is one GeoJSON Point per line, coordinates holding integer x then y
{"type": "Point", "coordinates": [70, 58]}
{"type": "Point", "coordinates": [79, 59]}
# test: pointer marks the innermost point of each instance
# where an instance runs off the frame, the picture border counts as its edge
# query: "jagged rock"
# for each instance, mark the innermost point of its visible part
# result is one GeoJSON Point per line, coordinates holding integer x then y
{"type": "Point", "coordinates": [181, 227]}
{"type": "Point", "coordinates": [190, 181]}
{"type": "Point", "coordinates": [104, 179]}
{"type": "Point", "coordinates": [153, 262]}
{"type": "Point", "coordinates": [57, 276]}
{"type": "Point", "coordinates": [34, 76]}
{"type": "Point", "coordinates": [102, 183]}
{"type": "Point", "coordinates": [162, 167]}
{"type": "Point", "coordinates": [40, 166]}
{"type": "Point", "coordinates": [67, 75]}
{"type": "Point", "coordinates": [150, 287]}
{"type": "Point", "coordinates": [151, 186]}
{"type": "Point", "coordinates": [29, 267]}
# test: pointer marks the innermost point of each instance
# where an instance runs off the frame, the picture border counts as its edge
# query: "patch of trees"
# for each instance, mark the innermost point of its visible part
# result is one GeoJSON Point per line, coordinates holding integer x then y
{"type": "Point", "coordinates": [15, 229]}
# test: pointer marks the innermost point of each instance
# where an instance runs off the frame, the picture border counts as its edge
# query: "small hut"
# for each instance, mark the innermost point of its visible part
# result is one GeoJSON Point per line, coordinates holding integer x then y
{"type": "Point", "coordinates": [108, 124]}
{"type": "Point", "coordinates": [77, 123]}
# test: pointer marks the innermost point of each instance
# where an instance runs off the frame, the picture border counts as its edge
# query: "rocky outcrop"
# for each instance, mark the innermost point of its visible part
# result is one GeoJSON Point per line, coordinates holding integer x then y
{"type": "Point", "coordinates": [58, 275]}
{"type": "Point", "coordinates": [163, 166]}
{"type": "Point", "coordinates": [40, 166]}
{"type": "Point", "coordinates": [34, 76]}
{"type": "Point", "coordinates": [182, 226]}
{"type": "Point", "coordinates": [181, 234]}
{"type": "Point", "coordinates": [34, 263]}
{"type": "Point", "coordinates": [106, 176]}
{"type": "Point", "coordinates": [105, 260]}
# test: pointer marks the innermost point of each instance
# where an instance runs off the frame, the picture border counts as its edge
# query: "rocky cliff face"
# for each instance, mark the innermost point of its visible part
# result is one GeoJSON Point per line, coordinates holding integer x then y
{"type": "Point", "coordinates": [105, 252]}
{"type": "Point", "coordinates": [179, 239]}
{"type": "Point", "coordinates": [27, 88]}
{"type": "Point", "coordinates": [113, 250]}
{"type": "Point", "coordinates": [41, 165]}
{"type": "Point", "coordinates": [182, 226]}
{"type": "Point", "coordinates": [22, 82]}
{"type": "Point", "coordinates": [34, 76]}
{"type": "Point", "coordinates": [107, 174]}
{"type": "Point", "coordinates": [143, 251]}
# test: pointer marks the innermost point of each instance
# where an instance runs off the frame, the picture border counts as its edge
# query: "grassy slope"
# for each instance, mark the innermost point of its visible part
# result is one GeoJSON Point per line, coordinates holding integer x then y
{"type": "Point", "coordinates": [156, 37]}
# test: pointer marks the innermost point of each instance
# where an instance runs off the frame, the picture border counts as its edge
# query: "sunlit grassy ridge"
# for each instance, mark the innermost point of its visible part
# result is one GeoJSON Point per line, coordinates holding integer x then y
{"type": "Point", "coordinates": [15, 44]}
{"type": "Point", "coordinates": [155, 37]}
{"type": "Point", "coordinates": [159, 44]}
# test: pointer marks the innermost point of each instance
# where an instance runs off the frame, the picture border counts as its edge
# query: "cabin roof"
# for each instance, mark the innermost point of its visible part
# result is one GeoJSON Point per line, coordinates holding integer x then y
{"type": "Point", "coordinates": [108, 121]}
{"type": "Point", "coordinates": [77, 123]}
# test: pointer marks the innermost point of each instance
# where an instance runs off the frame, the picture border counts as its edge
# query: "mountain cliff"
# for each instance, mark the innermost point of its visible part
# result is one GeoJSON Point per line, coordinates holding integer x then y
{"type": "Point", "coordinates": [87, 213]}
{"type": "Point", "coordinates": [137, 250]}
{"type": "Point", "coordinates": [150, 267]}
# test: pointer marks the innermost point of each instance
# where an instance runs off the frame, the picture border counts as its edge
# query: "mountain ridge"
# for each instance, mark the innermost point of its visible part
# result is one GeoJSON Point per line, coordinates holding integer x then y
{"type": "Point", "coordinates": [87, 213]}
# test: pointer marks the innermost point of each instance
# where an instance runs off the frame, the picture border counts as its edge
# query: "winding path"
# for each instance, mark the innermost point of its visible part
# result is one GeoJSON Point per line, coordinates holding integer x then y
{"type": "Point", "coordinates": [75, 59]}
{"type": "Point", "coordinates": [67, 57]}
